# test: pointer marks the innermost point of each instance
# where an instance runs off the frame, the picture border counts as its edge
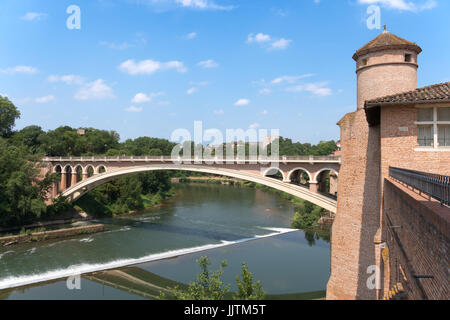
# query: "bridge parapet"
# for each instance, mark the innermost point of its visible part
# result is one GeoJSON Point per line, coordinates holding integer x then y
{"type": "Point", "coordinates": [285, 159]}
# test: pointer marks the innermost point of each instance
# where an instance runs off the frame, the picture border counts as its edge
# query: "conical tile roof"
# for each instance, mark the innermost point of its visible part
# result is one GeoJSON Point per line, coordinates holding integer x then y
{"type": "Point", "coordinates": [386, 40]}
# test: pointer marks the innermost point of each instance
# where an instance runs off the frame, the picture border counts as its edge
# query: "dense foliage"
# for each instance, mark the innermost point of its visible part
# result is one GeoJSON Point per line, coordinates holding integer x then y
{"type": "Point", "coordinates": [22, 189]}
{"type": "Point", "coordinates": [289, 148]}
{"type": "Point", "coordinates": [306, 215]}
{"type": "Point", "coordinates": [130, 193]}
{"type": "Point", "coordinates": [209, 285]}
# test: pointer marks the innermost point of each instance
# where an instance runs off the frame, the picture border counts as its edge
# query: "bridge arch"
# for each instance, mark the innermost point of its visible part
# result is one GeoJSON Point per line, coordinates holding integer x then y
{"type": "Point", "coordinates": [89, 170]}
{"type": "Point", "coordinates": [274, 169]}
{"type": "Point", "coordinates": [78, 172]}
{"type": "Point", "coordinates": [57, 168]}
{"type": "Point", "coordinates": [67, 169]}
{"type": "Point", "coordinates": [84, 186]}
{"type": "Point", "coordinates": [299, 168]}
{"type": "Point", "coordinates": [100, 169]}
{"type": "Point", "coordinates": [322, 170]}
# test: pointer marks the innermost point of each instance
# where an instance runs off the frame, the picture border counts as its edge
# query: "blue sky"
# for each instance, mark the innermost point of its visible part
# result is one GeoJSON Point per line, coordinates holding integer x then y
{"type": "Point", "coordinates": [148, 67]}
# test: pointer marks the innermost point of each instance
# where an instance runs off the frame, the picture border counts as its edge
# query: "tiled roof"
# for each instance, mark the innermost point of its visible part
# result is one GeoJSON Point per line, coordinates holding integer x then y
{"type": "Point", "coordinates": [386, 40]}
{"type": "Point", "coordinates": [434, 93]}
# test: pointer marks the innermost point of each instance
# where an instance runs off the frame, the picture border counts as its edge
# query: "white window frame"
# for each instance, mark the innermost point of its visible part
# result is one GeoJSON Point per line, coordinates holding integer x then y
{"type": "Point", "coordinates": [435, 124]}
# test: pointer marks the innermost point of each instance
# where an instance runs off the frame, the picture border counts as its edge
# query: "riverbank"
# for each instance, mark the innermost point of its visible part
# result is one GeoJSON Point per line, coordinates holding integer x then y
{"type": "Point", "coordinates": [48, 235]}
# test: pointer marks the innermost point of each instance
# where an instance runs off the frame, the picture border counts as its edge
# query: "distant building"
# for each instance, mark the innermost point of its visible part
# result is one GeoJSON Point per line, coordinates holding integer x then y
{"type": "Point", "coordinates": [81, 132]}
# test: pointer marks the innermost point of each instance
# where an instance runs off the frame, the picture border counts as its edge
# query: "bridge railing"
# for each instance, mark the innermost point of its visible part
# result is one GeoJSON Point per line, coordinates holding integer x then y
{"type": "Point", "coordinates": [434, 185]}
{"type": "Point", "coordinates": [194, 159]}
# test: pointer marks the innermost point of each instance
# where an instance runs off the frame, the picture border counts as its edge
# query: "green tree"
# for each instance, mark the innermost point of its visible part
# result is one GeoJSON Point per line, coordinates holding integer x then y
{"type": "Point", "coordinates": [208, 285]}
{"type": "Point", "coordinates": [8, 116]}
{"type": "Point", "coordinates": [247, 290]}
{"type": "Point", "coordinates": [22, 189]}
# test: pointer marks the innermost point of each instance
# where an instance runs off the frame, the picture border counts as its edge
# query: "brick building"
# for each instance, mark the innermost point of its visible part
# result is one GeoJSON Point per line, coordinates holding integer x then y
{"type": "Point", "coordinates": [383, 227]}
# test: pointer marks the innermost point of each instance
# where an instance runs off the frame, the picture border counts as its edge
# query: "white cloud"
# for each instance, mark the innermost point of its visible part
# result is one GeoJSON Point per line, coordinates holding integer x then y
{"type": "Point", "coordinates": [19, 69]}
{"type": "Point", "coordinates": [290, 79]}
{"type": "Point", "coordinates": [133, 109]}
{"type": "Point", "coordinates": [191, 90]}
{"type": "Point", "coordinates": [280, 44]}
{"type": "Point", "coordinates": [254, 125]}
{"type": "Point", "coordinates": [402, 5]}
{"type": "Point", "coordinates": [259, 38]}
{"type": "Point", "coordinates": [319, 88]}
{"type": "Point", "coordinates": [68, 79]}
{"type": "Point", "coordinates": [140, 98]}
{"type": "Point", "coordinates": [97, 90]}
{"type": "Point", "coordinates": [268, 41]}
{"type": "Point", "coordinates": [202, 5]}
{"type": "Point", "coordinates": [265, 112]}
{"type": "Point", "coordinates": [242, 102]}
{"type": "Point", "coordinates": [208, 64]}
{"type": "Point", "coordinates": [219, 112]}
{"type": "Point", "coordinates": [45, 99]}
{"type": "Point", "coordinates": [150, 66]}
{"type": "Point", "coordinates": [191, 35]}
{"type": "Point", "coordinates": [32, 16]}
{"type": "Point", "coordinates": [143, 97]}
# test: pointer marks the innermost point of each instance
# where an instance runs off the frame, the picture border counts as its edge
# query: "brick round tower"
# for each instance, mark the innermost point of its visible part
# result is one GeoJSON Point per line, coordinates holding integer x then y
{"type": "Point", "coordinates": [386, 65]}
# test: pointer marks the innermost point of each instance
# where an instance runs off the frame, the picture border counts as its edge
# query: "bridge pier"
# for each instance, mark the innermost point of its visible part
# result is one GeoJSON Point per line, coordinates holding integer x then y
{"type": "Point", "coordinates": [54, 190]}
{"type": "Point", "coordinates": [63, 181]}
{"type": "Point", "coordinates": [73, 180]}
{"type": "Point", "coordinates": [313, 186]}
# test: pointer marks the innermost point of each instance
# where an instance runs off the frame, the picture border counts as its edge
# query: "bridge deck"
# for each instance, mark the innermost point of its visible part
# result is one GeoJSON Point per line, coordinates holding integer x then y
{"type": "Point", "coordinates": [284, 159]}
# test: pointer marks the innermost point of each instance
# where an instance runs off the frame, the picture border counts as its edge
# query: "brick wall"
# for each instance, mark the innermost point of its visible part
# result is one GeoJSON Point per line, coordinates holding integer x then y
{"type": "Point", "coordinates": [397, 147]}
{"type": "Point", "coordinates": [358, 211]}
{"type": "Point", "coordinates": [417, 237]}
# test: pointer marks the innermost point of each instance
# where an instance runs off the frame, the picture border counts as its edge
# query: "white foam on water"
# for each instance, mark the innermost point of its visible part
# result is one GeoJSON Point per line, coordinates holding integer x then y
{"type": "Point", "coordinates": [73, 270]}
{"type": "Point", "coordinates": [31, 251]}
{"type": "Point", "coordinates": [5, 253]}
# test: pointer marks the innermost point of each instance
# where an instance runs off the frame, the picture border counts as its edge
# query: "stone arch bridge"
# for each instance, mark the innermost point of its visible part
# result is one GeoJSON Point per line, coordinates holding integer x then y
{"type": "Point", "coordinates": [312, 178]}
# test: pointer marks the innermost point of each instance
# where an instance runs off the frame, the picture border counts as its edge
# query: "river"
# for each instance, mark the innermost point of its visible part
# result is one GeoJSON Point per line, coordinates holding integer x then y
{"type": "Point", "coordinates": [138, 254]}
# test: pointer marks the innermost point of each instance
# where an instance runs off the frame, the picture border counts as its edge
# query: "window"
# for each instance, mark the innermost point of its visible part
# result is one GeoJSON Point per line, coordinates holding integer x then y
{"type": "Point", "coordinates": [433, 127]}
{"type": "Point", "coordinates": [364, 62]}
{"type": "Point", "coordinates": [425, 136]}
{"type": "Point", "coordinates": [425, 114]}
{"type": "Point", "coordinates": [408, 57]}
{"type": "Point", "coordinates": [443, 114]}
{"type": "Point", "coordinates": [444, 135]}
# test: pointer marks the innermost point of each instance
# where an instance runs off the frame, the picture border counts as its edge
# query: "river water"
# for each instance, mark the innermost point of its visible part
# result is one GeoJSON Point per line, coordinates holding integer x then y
{"type": "Point", "coordinates": [139, 254]}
